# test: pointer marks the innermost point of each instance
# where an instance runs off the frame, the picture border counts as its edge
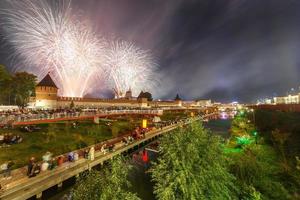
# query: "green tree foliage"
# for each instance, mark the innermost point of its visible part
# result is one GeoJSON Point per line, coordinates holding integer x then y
{"type": "Point", "coordinates": [5, 85]}
{"type": "Point", "coordinates": [268, 170]}
{"type": "Point", "coordinates": [146, 95]}
{"type": "Point", "coordinates": [286, 122]}
{"type": "Point", "coordinates": [17, 88]}
{"type": "Point", "coordinates": [258, 173]}
{"type": "Point", "coordinates": [241, 126]}
{"type": "Point", "coordinates": [279, 139]}
{"type": "Point", "coordinates": [108, 184]}
{"type": "Point", "coordinates": [23, 87]}
{"type": "Point", "coordinates": [192, 166]}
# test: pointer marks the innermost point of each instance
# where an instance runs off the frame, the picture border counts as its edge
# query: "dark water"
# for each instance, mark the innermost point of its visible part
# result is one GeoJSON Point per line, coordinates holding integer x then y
{"type": "Point", "coordinates": [219, 127]}
{"type": "Point", "coordinates": [139, 178]}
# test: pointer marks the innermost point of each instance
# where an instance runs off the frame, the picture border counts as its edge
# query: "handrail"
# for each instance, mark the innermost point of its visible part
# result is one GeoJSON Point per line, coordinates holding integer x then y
{"type": "Point", "coordinates": [45, 116]}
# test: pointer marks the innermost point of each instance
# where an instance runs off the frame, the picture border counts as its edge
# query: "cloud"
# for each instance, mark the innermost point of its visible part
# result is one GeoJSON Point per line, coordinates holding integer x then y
{"type": "Point", "coordinates": [224, 50]}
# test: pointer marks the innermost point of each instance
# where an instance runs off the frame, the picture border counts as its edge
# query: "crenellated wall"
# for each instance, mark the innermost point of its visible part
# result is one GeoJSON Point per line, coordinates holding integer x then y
{"type": "Point", "coordinates": [46, 97]}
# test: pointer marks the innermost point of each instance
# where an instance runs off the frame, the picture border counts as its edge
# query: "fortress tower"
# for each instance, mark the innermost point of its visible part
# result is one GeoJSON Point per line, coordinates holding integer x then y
{"type": "Point", "coordinates": [46, 93]}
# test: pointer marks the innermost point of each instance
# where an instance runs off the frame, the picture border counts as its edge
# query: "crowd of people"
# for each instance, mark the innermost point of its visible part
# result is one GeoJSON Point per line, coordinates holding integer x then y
{"type": "Point", "coordinates": [6, 169]}
{"type": "Point", "coordinates": [49, 162]}
{"type": "Point", "coordinates": [9, 139]}
{"type": "Point", "coordinates": [9, 116]}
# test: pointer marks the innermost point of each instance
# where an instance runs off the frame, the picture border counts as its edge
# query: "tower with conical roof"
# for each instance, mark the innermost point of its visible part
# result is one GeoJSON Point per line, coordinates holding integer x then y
{"type": "Point", "coordinates": [46, 93]}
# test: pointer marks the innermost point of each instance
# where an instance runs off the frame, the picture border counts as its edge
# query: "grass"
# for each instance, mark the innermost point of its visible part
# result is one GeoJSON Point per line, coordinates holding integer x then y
{"type": "Point", "coordinates": [232, 150]}
{"type": "Point", "coordinates": [60, 138]}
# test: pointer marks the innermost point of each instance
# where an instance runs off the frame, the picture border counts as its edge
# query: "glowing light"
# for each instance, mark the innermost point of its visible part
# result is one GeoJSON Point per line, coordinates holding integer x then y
{"type": "Point", "coordinates": [47, 37]}
{"type": "Point", "coordinates": [243, 140]}
{"type": "Point", "coordinates": [144, 123]}
{"type": "Point", "coordinates": [254, 133]}
{"type": "Point", "coordinates": [50, 39]}
{"type": "Point", "coordinates": [224, 115]}
{"type": "Point", "coordinates": [129, 67]}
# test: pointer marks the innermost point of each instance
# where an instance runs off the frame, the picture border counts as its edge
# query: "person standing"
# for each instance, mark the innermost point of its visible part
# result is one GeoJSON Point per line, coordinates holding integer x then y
{"type": "Point", "coordinates": [76, 156]}
{"type": "Point", "coordinates": [52, 164]}
{"type": "Point", "coordinates": [92, 153]}
{"type": "Point", "coordinates": [30, 166]}
{"type": "Point", "coordinates": [60, 160]}
{"type": "Point", "coordinates": [4, 168]}
{"type": "Point", "coordinates": [47, 156]}
{"type": "Point", "coordinates": [71, 156]}
{"type": "Point", "coordinates": [1, 139]}
{"type": "Point", "coordinates": [9, 166]}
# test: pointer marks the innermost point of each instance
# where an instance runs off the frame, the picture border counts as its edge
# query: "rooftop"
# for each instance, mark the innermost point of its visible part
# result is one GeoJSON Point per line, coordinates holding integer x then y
{"type": "Point", "coordinates": [47, 81]}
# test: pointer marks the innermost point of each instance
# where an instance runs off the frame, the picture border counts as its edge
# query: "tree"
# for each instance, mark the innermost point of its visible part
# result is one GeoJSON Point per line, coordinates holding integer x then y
{"type": "Point", "coordinates": [5, 85]}
{"type": "Point", "coordinates": [192, 166]}
{"type": "Point", "coordinates": [146, 95]}
{"type": "Point", "coordinates": [258, 173]}
{"type": "Point", "coordinates": [280, 138]}
{"type": "Point", "coordinates": [23, 87]}
{"type": "Point", "coordinates": [109, 184]}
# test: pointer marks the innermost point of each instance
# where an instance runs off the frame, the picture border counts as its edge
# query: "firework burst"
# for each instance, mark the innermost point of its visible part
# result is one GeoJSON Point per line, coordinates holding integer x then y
{"type": "Point", "coordinates": [129, 67]}
{"type": "Point", "coordinates": [49, 39]}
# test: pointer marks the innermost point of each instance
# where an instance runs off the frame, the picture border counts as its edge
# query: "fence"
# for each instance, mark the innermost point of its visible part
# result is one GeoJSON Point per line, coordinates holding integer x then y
{"type": "Point", "coordinates": [12, 118]}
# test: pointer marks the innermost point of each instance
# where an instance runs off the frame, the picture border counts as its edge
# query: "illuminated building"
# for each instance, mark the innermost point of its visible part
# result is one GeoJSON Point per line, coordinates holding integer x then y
{"type": "Point", "coordinates": [290, 99]}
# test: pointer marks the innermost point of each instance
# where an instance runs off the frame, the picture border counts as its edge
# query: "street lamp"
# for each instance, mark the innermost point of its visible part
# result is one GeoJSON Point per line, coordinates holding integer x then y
{"type": "Point", "coordinates": [253, 114]}
{"type": "Point", "coordinates": [255, 135]}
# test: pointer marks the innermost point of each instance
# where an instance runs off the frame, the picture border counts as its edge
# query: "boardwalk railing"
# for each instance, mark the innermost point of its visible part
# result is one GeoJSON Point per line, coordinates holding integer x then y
{"type": "Point", "coordinates": [15, 118]}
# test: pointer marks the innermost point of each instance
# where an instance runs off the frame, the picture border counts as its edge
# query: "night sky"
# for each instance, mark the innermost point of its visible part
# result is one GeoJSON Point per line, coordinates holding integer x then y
{"type": "Point", "coordinates": [226, 50]}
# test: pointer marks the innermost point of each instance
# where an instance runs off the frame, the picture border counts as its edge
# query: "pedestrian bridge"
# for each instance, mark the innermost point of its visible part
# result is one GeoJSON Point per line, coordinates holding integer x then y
{"type": "Point", "coordinates": [21, 187]}
{"type": "Point", "coordinates": [45, 117]}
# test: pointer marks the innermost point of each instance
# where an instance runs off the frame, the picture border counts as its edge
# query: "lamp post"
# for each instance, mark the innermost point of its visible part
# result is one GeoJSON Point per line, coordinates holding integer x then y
{"type": "Point", "coordinates": [255, 132]}
{"type": "Point", "coordinates": [254, 117]}
{"type": "Point", "coordinates": [255, 135]}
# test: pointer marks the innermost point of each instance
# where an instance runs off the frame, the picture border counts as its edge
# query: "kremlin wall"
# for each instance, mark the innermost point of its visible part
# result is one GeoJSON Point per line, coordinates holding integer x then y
{"type": "Point", "coordinates": [47, 98]}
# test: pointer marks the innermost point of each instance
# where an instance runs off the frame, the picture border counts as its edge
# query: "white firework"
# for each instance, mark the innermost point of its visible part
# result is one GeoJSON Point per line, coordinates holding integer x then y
{"type": "Point", "coordinates": [129, 67]}
{"type": "Point", "coordinates": [49, 39]}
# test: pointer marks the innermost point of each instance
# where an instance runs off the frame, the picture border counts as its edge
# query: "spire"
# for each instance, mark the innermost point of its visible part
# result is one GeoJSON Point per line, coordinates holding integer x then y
{"type": "Point", "coordinates": [177, 98]}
